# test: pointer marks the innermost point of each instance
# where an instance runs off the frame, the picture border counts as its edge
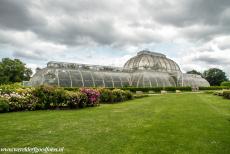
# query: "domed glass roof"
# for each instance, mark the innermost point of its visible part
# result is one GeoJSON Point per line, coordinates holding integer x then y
{"type": "Point", "coordinates": [146, 60]}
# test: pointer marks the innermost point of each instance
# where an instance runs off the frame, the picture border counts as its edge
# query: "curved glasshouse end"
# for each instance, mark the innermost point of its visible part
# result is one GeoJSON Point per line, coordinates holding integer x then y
{"type": "Point", "coordinates": [146, 69]}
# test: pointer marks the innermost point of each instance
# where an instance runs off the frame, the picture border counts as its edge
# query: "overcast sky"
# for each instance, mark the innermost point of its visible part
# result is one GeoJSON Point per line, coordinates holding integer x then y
{"type": "Point", "coordinates": [194, 33]}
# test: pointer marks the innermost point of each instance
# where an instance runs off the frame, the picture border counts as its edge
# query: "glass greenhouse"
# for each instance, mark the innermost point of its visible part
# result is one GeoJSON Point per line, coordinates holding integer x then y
{"type": "Point", "coordinates": [146, 69]}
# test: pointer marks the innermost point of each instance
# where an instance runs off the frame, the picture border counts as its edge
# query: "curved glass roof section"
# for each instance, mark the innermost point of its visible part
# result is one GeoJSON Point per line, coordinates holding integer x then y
{"type": "Point", "coordinates": [146, 60]}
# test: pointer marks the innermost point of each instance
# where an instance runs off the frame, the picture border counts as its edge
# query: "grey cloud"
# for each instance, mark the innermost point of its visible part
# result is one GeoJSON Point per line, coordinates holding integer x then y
{"type": "Point", "coordinates": [184, 13]}
{"type": "Point", "coordinates": [15, 15]}
{"type": "Point", "coordinates": [212, 60]}
{"type": "Point", "coordinates": [30, 55]}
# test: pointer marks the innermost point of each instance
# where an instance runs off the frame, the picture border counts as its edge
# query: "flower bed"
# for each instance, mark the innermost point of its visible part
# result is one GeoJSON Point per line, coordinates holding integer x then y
{"type": "Point", "coordinates": [49, 97]}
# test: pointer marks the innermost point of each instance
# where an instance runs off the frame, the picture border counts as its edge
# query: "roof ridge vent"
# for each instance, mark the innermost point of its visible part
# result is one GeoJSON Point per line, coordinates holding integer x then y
{"type": "Point", "coordinates": [147, 52]}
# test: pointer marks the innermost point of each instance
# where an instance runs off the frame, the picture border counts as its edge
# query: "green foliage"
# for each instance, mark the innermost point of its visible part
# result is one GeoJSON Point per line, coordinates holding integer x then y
{"type": "Point", "coordinates": [106, 95]}
{"type": "Point", "coordinates": [140, 96]}
{"type": "Point", "coordinates": [4, 105]}
{"type": "Point", "coordinates": [76, 99]}
{"type": "Point", "coordinates": [194, 72]}
{"type": "Point", "coordinates": [10, 88]}
{"type": "Point", "coordinates": [50, 97]}
{"type": "Point", "coordinates": [12, 71]}
{"type": "Point", "coordinates": [157, 89]}
{"type": "Point", "coordinates": [213, 88]}
{"type": "Point", "coordinates": [218, 93]}
{"type": "Point", "coordinates": [71, 88]}
{"type": "Point", "coordinates": [46, 96]}
{"type": "Point", "coordinates": [119, 95]}
{"type": "Point", "coordinates": [225, 83]}
{"type": "Point", "coordinates": [226, 94]}
{"type": "Point", "coordinates": [134, 89]}
{"type": "Point", "coordinates": [115, 95]}
{"type": "Point", "coordinates": [215, 76]}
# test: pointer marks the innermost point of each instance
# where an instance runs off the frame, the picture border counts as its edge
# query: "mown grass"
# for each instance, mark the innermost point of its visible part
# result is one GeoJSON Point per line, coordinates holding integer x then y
{"type": "Point", "coordinates": [171, 123]}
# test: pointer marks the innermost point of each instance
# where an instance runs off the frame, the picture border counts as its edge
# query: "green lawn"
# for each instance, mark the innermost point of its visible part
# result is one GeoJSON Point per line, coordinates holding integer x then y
{"type": "Point", "coordinates": [172, 123]}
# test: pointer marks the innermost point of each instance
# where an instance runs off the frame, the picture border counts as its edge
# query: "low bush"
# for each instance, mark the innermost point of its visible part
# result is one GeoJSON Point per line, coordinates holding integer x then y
{"type": "Point", "coordinates": [119, 95]}
{"type": "Point", "coordinates": [114, 95]}
{"type": "Point", "coordinates": [218, 93]}
{"type": "Point", "coordinates": [226, 94]}
{"type": "Point", "coordinates": [105, 95]}
{"type": "Point", "coordinates": [76, 99]}
{"type": "Point", "coordinates": [4, 105]}
{"type": "Point", "coordinates": [140, 96]}
{"type": "Point", "coordinates": [93, 96]}
{"type": "Point", "coordinates": [225, 84]}
{"type": "Point", "coordinates": [49, 97]}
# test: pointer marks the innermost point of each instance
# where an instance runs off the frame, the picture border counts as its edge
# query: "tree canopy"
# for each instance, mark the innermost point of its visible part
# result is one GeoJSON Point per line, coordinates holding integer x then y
{"type": "Point", "coordinates": [215, 76]}
{"type": "Point", "coordinates": [194, 72]}
{"type": "Point", "coordinates": [13, 71]}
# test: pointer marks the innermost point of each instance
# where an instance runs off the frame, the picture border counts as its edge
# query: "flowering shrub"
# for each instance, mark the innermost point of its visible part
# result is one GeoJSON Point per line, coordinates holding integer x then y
{"type": "Point", "coordinates": [116, 95]}
{"type": "Point", "coordinates": [9, 88]}
{"type": "Point", "coordinates": [19, 102]}
{"type": "Point", "coordinates": [49, 97]}
{"type": "Point", "coordinates": [93, 96]}
{"type": "Point", "coordinates": [46, 96]}
{"type": "Point", "coordinates": [106, 95]}
{"type": "Point", "coordinates": [76, 99]}
{"type": "Point", "coordinates": [121, 95]}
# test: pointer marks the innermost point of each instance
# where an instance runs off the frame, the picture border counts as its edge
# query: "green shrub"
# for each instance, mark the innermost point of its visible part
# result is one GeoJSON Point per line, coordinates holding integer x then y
{"type": "Point", "coordinates": [218, 93]}
{"type": "Point", "coordinates": [184, 88]}
{"type": "Point", "coordinates": [134, 89]}
{"type": "Point", "coordinates": [105, 95]}
{"type": "Point", "coordinates": [9, 88]}
{"type": "Point", "coordinates": [157, 89]}
{"type": "Point", "coordinates": [71, 88]}
{"type": "Point", "coordinates": [76, 99]}
{"type": "Point", "coordinates": [115, 95]}
{"type": "Point", "coordinates": [47, 96]}
{"type": "Point", "coordinates": [119, 95]}
{"type": "Point", "coordinates": [4, 105]}
{"type": "Point", "coordinates": [128, 95]}
{"type": "Point", "coordinates": [59, 99]}
{"type": "Point", "coordinates": [213, 88]}
{"type": "Point", "coordinates": [226, 94]}
{"type": "Point", "coordinates": [172, 89]}
{"type": "Point", "coordinates": [225, 84]}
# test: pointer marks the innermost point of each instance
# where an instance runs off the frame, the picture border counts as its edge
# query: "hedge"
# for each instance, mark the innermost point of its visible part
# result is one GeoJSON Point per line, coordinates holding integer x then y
{"type": "Point", "coordinates": [225, 83]}
{"type": "Point", "coordinates": [157, 89]}
{"type": "Point", "coordinates": [213, 88]}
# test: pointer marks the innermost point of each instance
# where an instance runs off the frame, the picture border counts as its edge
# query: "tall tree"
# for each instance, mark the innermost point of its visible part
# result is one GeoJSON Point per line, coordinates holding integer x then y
{"type": "Point", "coordinates": [194, 72]}
{"type": "Point", "coordinates": [13, 71]}
{"type": "Point", "coordinates": [215, 76]}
